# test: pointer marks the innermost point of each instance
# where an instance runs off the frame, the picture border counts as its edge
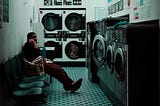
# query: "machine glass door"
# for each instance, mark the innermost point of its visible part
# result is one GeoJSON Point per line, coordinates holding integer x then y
{"type": "Point", "coordinates": [75, 50]}
{"type": "Point", "coordinates": [110, 58]}
{"type": "Point", "coordinates": [119, 65]}
{"type": "Point", "coordinates": [75, 22]}
{"type": "Point", "coordinates": [98, 50]}
{"type": "Point", "coordinates": [52, 21]}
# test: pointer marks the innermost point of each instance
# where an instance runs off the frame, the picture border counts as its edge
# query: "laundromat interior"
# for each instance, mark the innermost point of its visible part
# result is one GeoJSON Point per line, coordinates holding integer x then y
{"type": "Point", "coordinates": [113, 45]}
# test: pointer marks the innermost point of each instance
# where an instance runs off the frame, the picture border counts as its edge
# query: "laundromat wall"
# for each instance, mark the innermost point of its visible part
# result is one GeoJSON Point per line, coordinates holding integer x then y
{"type": "Point", "coordinates": [13, 32]}
{"type": "Point", "coordinates": [90, 9]}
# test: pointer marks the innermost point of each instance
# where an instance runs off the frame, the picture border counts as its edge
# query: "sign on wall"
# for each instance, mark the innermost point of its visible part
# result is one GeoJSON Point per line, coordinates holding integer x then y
{"type": "Point", "coordinates": [142, 9]}
{"type": "Point", "coordinates": [100, 13]}
{"type": "Point", "coordinates": [5, 10]}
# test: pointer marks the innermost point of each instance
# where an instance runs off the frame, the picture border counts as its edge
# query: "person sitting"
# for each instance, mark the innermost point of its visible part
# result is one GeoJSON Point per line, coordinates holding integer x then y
{"type": "Point", "coordinates": [31, 52]}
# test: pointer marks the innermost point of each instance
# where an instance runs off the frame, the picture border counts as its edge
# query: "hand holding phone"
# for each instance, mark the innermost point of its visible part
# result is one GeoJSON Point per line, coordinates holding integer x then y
{"type": "Point", "coordinates": [32, 41]}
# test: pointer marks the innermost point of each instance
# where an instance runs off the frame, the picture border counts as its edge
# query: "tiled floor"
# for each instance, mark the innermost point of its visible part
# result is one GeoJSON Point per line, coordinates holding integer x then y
{"type": "Point", "coordinates": [88, 95]}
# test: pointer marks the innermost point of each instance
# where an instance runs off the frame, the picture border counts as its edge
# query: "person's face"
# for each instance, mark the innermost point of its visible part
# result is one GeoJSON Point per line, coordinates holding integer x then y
{"type": "Point", "coordinates": [34, 36]}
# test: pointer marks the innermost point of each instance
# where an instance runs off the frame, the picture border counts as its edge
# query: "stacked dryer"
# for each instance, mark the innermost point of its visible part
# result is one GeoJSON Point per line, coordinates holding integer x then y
{"type": "Point", "coordinates": [74, 37]}
{"type": "Point", "coordinates": [65, 33]}
{"type": "Point", "coordinates": [52, 22]}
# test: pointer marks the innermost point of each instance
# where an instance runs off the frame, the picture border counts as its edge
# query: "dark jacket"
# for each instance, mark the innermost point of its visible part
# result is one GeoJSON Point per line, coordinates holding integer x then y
{"type": "Point", "coordinates": [29, 52]}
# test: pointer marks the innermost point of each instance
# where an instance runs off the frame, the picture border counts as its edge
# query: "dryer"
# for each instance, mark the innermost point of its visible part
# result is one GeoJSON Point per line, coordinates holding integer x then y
{"type": "Point", "coordinates": [67, 28]}
{"type": "Point", "coordinates": [74, 20]}
{"type": "Point", "coordinates": [51, 18]}
{"type": "Point", "coordinates": [74, 35]}
{"type": "Point", "coordinates": [53, 49]}
{"type": "Point", "coordinates": [74, 50]}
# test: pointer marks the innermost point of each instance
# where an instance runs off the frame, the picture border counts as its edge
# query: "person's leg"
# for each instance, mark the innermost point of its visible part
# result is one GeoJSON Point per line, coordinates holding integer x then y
{"type": "Point", "coordinates": [57, 72]}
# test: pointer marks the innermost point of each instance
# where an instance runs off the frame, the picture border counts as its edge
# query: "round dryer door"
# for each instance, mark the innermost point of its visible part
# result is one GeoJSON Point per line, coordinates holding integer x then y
{"type": "Point", "coordinates": [52, 21]}
{"type": "Point", "coordinates": [119, 64]}
{"type": "Point", "coordinates": [75, 50]}
{"type": "Point", "coordinates": [110, 58]}
{"type": "Point", "coordinates": [98, 50]}
{"type": "Point", "coordinates": [75, 22]}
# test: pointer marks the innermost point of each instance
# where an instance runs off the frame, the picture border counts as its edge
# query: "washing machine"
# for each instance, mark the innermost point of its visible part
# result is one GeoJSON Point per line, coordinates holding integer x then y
{"type": "Point", "coordinates": [111, 38]}
{"type": "Point", "coordinates": [106, 71]}
{"type": "Point", "coordinates": [110, 50]}
{"type": "Point", "coordinates": [98, 50]}
{"type": "Point", "coordinates": [121, 66]}
{"type": "Point", "coordinates": [51, 18]}
{"type": "Point", "coordinates": [92, 68]}
{"type": "Point", "coordinates": [99, 44]}
{"type": "Point", "coordinates": [104, 58]}
{"type": "Point", "coordinates": [110, 45]}
{"type": "Point", "coordinates": [99, 53]}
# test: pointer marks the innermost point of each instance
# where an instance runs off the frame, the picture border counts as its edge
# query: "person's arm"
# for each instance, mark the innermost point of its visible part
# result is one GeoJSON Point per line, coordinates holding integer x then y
{"type": "Point", "coordinates": [30, 50]}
